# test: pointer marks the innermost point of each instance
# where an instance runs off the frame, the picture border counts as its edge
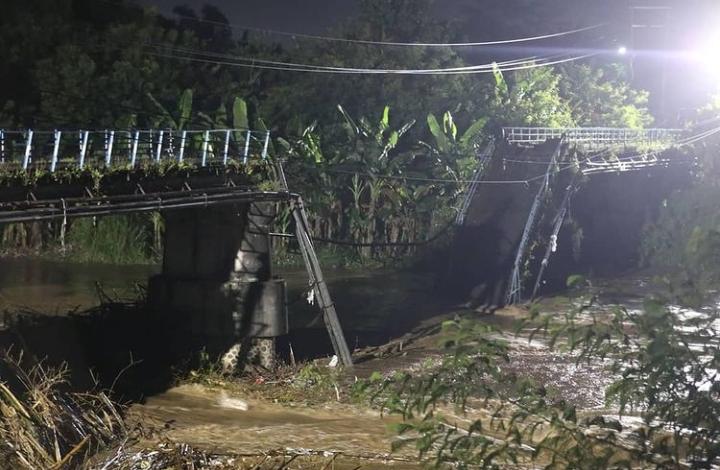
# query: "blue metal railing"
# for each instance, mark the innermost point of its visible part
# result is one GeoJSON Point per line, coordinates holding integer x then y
{"type": "Point", "coordinates": [111, 148]}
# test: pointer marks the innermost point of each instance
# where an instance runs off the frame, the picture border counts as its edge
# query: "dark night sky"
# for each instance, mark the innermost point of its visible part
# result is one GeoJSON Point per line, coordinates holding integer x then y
{"type": "Point", "coordinates": [302, 16]}
{"type": "Point", "coordinates": [317, 16]}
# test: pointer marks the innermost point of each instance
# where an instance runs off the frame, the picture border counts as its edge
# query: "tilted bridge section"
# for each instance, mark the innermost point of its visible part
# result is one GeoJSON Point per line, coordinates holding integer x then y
{"type": "Point", "coordinates": [605, 143]}
{"type": "Point", "coordinates": [507, 233]}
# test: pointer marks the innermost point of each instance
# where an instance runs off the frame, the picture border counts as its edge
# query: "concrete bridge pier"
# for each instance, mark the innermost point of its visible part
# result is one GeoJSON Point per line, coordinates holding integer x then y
{"type": "Point", "coordinates": [216, 287]}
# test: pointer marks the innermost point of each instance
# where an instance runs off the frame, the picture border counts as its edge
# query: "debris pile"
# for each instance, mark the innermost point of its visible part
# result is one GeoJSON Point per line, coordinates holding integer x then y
{"type": "Point", "coordinates": [43, 425]}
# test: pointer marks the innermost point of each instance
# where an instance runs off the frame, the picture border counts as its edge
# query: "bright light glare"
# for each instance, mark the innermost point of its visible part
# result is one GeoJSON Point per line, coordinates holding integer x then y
{"type": "Point", "coordinates": [708, 59]}
{"type": "Point", "coordinates": [622, 50]}
{"type": "Point", "coordinates": [706, 54]}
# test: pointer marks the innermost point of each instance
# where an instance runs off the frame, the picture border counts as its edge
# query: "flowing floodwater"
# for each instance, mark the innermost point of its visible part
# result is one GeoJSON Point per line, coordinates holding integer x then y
{"type": "Point", "coordinates": [214, 421]}
{"type": "Point", "coordinates": [367, 301]}
{"type": "Point", "coordinates": [374, 307]}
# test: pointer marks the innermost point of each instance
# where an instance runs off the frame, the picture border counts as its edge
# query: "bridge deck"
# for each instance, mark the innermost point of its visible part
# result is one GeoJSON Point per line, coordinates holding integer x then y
{"type": "Point", "coordinates": [76, 173]}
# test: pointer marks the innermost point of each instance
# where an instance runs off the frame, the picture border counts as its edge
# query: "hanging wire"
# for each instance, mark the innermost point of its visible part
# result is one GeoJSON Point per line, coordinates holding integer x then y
{"type": "Point", "coordinates": [295, 67]}
{"type": "Point", "coordinates": [252, 60]}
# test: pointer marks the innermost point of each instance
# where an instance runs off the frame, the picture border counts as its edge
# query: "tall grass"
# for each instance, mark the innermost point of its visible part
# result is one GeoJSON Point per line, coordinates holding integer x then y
{"type": "Point", "coordinates": [44, 426]}
{"type": "Point", "coordinates": [130, 239]}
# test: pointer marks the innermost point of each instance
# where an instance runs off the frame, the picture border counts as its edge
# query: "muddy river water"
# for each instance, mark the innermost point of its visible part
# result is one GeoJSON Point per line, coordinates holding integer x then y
{"type": "Point", "coordinates": [374, 308]}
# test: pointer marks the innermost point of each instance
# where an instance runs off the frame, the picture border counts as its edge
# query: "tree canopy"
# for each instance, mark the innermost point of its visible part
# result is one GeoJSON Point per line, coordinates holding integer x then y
{"type": "Point", "coordinates": [71, 63]}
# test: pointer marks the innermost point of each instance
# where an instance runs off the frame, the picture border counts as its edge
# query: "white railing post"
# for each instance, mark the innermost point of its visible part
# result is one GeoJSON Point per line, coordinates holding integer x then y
{"type": "Point", "coordinates": [133, 154]}
{"type": "Point", "coordinates": [2, 146]}
{"type": "Point", "coordinates": [227, 147]}
{"type": "Point", "coordinates": [267, 143]}
{"type": "Point", "coordinates": [28, 149]}
{"type": "Point", "coordinates": [206, 142]}
{"type": "Point", "coordinates": [158, 154]}
{"type": "Point", "coordinates": [182, 146]}
{"type": "Point", "coordinates": [108, 152]}
{"type": "Point", "coordinates": [56, 151]}
{"type": "Point", "coordinates": [83, 147]}
{"type": "Point", "coordinates": [247, 146]}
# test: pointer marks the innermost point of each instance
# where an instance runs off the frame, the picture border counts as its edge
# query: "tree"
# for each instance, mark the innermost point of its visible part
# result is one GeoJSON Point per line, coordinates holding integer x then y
{"type": "Point", "coordinates": [601, 97]}
{"type": "Point", "coordinates": [311, 97]}
{"type": "Point", "coordinates": [529, 97]}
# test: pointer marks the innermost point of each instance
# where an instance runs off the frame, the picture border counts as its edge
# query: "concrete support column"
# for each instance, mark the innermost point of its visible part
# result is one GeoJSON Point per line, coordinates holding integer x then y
{"type": "Point", "coordinates": [217, 286]}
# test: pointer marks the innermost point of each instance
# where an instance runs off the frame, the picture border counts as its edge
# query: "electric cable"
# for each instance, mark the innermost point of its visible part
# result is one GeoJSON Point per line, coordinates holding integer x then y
{"type": "Point", "coordinates": [437, 235]}
{"type": "Point", "coordinates": [230, 58]}
{"type": "Point", "coordinates": [294, 67]}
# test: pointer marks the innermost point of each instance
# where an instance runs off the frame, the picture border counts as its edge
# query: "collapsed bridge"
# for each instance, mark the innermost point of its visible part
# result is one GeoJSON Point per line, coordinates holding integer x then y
{"type": "Point", "coordinates": [520, 195]}
{"type": "Point", "coordinates": [217, 190]}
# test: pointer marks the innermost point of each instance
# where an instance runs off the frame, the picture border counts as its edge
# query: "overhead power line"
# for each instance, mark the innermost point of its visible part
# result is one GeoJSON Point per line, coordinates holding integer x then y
{"type": "Point", "coordinates": [442, 44]}
{"type": "Point", "coordinates": [246, 62]}
{"type": "Point", "coordinates": [194, 52]}
{"type": "Point", "coordinates": [367, 42]}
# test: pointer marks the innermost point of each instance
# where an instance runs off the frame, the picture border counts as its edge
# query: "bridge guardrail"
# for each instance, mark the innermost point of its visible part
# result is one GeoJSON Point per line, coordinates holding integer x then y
{"type": "Point", "coordinates": [591, 136]}
{"type": "Point", "coordinates": [31, 149]}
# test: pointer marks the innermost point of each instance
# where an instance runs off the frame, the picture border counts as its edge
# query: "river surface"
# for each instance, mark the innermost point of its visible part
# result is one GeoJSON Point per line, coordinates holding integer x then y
{"type": "Point", "coordinates": [56, 287]}
{"type": "Point", "coordinates": [374, 307]}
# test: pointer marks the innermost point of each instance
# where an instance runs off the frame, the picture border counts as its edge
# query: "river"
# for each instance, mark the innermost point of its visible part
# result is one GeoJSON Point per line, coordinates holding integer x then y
{"type": "Point", "coordinates": [374, 307]}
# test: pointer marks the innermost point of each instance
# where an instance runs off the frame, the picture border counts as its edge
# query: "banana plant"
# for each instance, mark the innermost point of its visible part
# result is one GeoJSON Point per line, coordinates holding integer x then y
{"type": "Point", "coordinates": [455, 155]}
{"type": "Point", "coordinates": [380, 134]}
{"type": "Point", "coordinates": [182, 116]}
{"type": "Point", "coordinates": [446, 136]}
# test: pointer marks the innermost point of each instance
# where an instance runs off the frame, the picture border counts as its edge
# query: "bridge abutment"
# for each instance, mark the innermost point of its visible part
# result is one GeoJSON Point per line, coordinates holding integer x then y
{"type": "Point", "coordinates": [216, 286]}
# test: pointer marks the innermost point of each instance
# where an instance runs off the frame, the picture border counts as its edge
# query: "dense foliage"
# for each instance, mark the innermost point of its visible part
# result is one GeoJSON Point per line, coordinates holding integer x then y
{"type": "Point", "coordinates": [685, 238]}
{"type": "Point", "coordinates": [354, 141]}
